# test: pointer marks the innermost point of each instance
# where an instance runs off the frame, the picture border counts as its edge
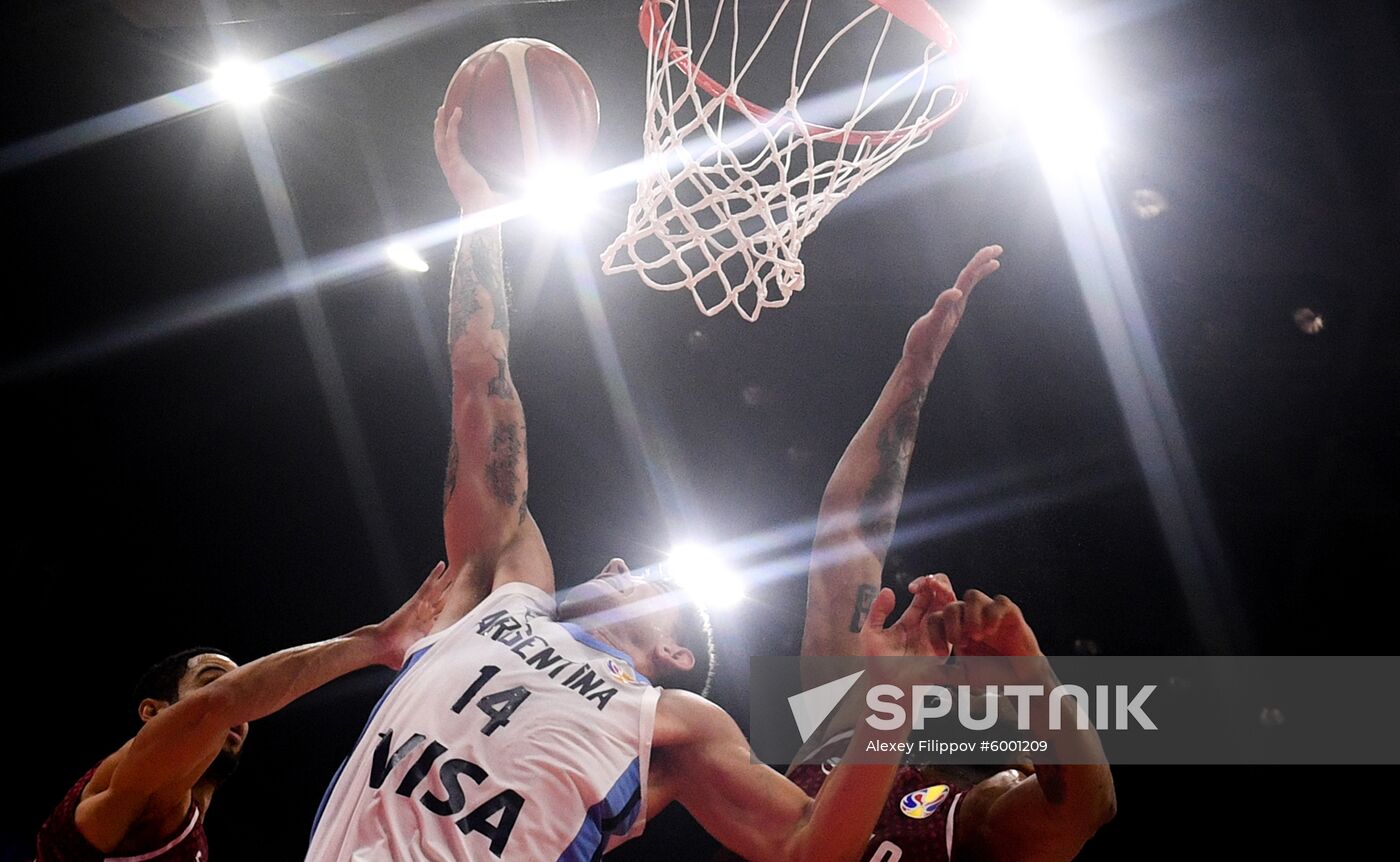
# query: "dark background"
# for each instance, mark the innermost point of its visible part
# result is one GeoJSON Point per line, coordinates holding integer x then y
{"type": "Point", "coordinates": [178, 484]}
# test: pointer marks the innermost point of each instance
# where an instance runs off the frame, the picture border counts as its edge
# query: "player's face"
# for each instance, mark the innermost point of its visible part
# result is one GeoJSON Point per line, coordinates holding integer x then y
{"type": "Point", "coordinates": [202, 670]}
{"type": "Point", "coordinates": [610, 590]}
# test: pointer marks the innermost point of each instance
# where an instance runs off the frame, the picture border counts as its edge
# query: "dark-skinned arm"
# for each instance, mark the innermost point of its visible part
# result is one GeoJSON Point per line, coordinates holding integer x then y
{"type": "Point", "coordinates": [156, 770]}
{"type": "Point", "coordinates": [862, 498]}
{"type": "Point", "coordinates": [706, 764]}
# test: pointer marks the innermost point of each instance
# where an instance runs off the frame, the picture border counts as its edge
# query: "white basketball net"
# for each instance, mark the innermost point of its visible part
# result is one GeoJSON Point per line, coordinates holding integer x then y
{"type": "Point", "coordinates": [730, 190]}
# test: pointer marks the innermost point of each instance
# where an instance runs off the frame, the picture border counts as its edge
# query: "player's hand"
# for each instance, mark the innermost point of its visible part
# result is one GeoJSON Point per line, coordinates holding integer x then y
{"type": "Point", "coordinates": [930, 334]}
{"type": "Point", "coordinates": [941, 594]}
{"type": "Point", "coordinates": [911, 635]}
{"type": "Point", "coordinates": [468, 186]}
{"type": "Point", "coordinates": [410, 623]}
{"type": "Point", "coordinates": [980, 625]}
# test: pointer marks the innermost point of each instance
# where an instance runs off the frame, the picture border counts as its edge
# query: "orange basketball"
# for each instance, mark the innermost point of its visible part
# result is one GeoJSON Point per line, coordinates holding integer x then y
{"type": "Point", "coordinates": [525, 104]}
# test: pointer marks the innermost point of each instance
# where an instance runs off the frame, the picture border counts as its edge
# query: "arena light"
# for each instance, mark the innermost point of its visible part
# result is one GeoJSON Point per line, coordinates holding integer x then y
{"type": "Point", "coordinates": [704, 574]}
{"type": "Point", "coordinates": [560, 196]}
{"type": "Point", "coordinates": [1031, 61]}
{"type": "Point", "coordinates": [405, 256]}
{"type": "Point", "coordinates": [240, 82]}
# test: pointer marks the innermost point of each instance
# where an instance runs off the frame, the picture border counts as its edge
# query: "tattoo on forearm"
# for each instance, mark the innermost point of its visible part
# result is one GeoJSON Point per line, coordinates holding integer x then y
{"type": "Point", "coordinates": [865, 594]}
{"type": "Point", "coordinates": [450, 483]}
{"type": "Point", "coordinates": [499, 386]}
{"type": "Point", "coordinates": [486, 264]}
{"type": "Point", "coordinates": [477, 272]}
{"type": "Point", "coordinates": [463, 302]}
{"type": "Point", "coordinates": [880, 507]}
{"type": "Point", "coordinates": [506, 449]}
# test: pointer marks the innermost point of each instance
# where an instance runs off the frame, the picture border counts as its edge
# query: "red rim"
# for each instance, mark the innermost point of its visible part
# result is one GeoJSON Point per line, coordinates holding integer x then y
{"type": "Point", "coordinates": [917, 14]}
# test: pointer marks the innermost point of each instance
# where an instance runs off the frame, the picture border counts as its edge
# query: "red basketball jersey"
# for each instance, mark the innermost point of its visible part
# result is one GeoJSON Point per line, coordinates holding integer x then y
{"type": "Point", "coordinates": [60, 841]}
{"type": "Point", "coordinates": [916, 824]}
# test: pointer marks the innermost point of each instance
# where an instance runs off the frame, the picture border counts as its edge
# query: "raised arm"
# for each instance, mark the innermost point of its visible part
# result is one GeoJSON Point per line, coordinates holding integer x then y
{"type": "Point", "coordinates": [755, 812]}
{"type": "Point", "coordinates": [862, 497]}
{"type": "Point", "coordinates": [157, 769]}
{"type": "Point", "coordinates": [486, 483]}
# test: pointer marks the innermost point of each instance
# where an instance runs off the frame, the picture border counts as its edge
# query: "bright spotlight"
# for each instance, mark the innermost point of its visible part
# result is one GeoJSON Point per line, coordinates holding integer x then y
{"type": "Point", "coordinates": [1030, 61]}
{"type": "Point", "coordinates": [241, 82]}
{"type": "Point", "coordinates": [702, 573]}
{"type": "Point", "coordinates": [405, 256]}
{"type": "Point", "coordinates": [560, 195]}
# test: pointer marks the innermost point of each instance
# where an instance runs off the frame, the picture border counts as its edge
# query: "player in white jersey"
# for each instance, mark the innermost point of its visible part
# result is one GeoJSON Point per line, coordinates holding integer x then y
{"type": "Point", "coordinates": [524, 731]}
{"type": "Point", "coordinates": [508, 731]}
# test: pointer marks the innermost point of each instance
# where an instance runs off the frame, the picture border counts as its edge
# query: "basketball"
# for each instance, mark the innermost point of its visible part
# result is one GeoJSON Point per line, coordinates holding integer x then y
{"type": "Point", "coordinates": [525, 104]}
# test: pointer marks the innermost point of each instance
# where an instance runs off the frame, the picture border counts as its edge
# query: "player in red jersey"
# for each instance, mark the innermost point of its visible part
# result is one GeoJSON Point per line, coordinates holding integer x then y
{"type": "Point", "coordinates": [147, 801]}
{"type": "Point", "coordinates": [933, 813]}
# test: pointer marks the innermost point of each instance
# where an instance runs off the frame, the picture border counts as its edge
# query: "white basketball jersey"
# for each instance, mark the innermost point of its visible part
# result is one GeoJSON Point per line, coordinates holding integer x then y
{"type": "Point", "coordinates": [506, 736]}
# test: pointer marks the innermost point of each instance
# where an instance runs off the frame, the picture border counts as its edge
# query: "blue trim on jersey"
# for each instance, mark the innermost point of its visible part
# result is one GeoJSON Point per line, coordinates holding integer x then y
{"type": "Point", "coordinates": [335, 779]}
{"type": "Point", "coordinates": [614, 814]}
{"type": "Point", "coordinates": [577, 633]}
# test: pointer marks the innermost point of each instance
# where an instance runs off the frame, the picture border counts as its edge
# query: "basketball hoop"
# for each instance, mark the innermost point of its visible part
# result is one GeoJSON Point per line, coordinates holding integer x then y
{"type": "Point", "coordinates": [722, 210]}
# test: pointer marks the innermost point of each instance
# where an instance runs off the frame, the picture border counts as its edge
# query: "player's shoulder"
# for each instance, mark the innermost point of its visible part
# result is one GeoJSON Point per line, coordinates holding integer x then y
{"type": "Point", "coordinates": [683, 717]}
{"type": "Point", "coordinates": [94, 807]}
{"type": "Point", "coordinates": [521, 591]}
{"type": "Point", "coordinates": [98, 779]}
{"type": "Point", "coordinates": [502, 600]}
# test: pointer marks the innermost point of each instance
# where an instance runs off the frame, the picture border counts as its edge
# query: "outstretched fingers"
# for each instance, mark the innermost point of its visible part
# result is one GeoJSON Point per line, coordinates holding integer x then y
{"type": "Point", "coordinates": [938, 592]}
{"type": "Point", "coordinates": [952, 615]}
{"type": "Point", "coordinates": [440, 135]}
{"type": "Point", "coordinates": [931, 593]}
{"type": "Point", "coordinates": [880, 609]}
{"type": "Point", "coordinates": [453, 134]}
{"type": "Point", "coordinates": [446, 142]}
{"type": "Point", "coordinates": [432, 593]}
{"type": "Point", "coordinates": [440, 580]}
{"type": "Point", "coordinates": [983, 264]}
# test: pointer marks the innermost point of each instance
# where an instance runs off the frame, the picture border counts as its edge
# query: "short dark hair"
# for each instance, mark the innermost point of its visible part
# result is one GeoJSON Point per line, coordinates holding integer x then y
{"type": "Point", "coordinates": [694, 632]}
{"type": "Point", "coordinates": [161, 681]}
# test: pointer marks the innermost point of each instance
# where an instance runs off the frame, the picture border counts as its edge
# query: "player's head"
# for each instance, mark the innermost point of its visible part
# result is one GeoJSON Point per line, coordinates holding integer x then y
{"type": "Point", "coordinates": [666, 634]}
{"type": "Point", "coordinates": [177, 676]}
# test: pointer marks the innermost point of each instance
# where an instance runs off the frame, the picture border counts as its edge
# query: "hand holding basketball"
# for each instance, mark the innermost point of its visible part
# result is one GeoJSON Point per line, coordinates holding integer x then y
{"type": "Point", "coordinates": [513, 109]}
{"type": "Point", "coordinates": [468, 186]}
{"type": "Point", "coordinates": [930, 334]}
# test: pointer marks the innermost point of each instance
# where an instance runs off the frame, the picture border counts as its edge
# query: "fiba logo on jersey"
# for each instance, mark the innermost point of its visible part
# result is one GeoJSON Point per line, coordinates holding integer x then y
{"type": "Point", "coordinates": [922, 803]}
{"type": "Point", "coordinates": [622, 672]}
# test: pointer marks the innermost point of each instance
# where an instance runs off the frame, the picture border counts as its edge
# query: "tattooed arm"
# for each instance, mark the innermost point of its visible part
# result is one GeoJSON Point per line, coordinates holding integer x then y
{"type": "Point", "coordinates": [862, 498]}
{"type": "Point", "coordinates": [486, 526]}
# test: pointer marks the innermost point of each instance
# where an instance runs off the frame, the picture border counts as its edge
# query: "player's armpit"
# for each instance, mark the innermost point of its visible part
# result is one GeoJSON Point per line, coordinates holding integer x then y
{"type": "Point", "coordinates": [526, 559]}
